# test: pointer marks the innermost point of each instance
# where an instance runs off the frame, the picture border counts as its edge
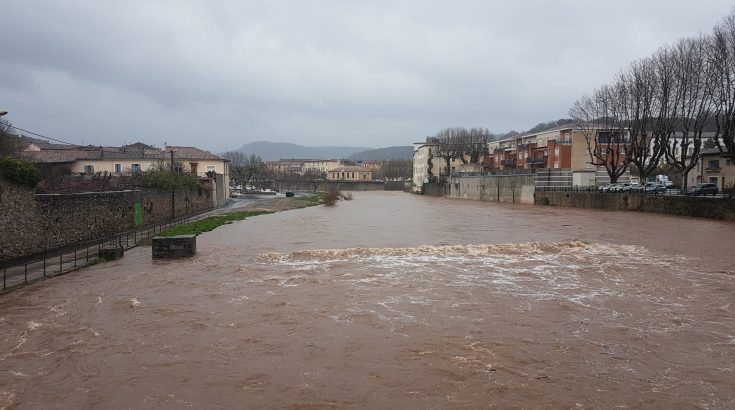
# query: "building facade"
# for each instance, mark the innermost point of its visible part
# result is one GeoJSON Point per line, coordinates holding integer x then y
{"type": "Point", "coordinates": [350, 173]}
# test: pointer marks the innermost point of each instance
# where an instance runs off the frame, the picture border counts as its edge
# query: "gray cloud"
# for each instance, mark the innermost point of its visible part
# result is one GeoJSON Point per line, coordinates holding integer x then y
{"type": "Point", "coordinates": [219, 74]}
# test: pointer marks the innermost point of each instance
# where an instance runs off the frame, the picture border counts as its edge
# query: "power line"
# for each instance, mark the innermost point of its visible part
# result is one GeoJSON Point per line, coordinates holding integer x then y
{"type": "Point", "coordinates": [39, 135]}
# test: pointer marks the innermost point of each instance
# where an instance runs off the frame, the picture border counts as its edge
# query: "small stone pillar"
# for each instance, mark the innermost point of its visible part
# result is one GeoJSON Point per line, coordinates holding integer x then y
{"type": "Point", "coordinates": [171, 247]}
{"type": "Point", "coordinates": [111, 253]}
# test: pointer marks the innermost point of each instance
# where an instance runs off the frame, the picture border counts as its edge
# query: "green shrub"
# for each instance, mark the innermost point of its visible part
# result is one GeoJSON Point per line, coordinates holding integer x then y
{"type": "Point", "coordinates": [20, 172]}
{"type": "Point", "coordinates": [167, 180]}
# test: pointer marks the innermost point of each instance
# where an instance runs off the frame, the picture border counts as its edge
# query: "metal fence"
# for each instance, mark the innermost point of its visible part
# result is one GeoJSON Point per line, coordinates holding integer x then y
{"type": "Point", "coordinates": [54, 262]}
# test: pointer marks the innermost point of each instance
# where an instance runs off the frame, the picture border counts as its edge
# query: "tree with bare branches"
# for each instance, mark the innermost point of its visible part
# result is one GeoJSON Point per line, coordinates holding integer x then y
{"type": "Point", "coordinates": [465, 145]}
{"type": "Point", "coordinates": [693, 76]}
{"type": "Point", "coordinates": [722, 58]}
{"type": "Point", "coordinates": [598, 119]}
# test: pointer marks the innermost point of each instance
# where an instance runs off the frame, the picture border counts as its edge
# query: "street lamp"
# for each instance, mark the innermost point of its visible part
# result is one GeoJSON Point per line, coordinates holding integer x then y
{"type": "Point", "coordinates": [173, 203]}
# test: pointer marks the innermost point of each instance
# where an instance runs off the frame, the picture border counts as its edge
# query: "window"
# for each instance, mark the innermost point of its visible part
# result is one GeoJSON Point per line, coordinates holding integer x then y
{"type": "Point", "coordinates": [118, 168]}
{"type": "Point", "coordinates": [135, 167]}
{"type": "Point", "coordinates": [713, 164]}
{"type": "Point", "coordinates": [89, 169]}
{"type": "Point", "coordinates": [713, 180]}
{"type": "Point", "coordinates": [210, 168]}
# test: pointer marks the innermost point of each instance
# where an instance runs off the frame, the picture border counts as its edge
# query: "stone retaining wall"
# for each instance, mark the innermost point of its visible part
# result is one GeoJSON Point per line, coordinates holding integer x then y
{"type": "Point", "coordinates": [702, 207]}
{"type": "Point", "coordinates": [283, 186]}
{"type": "Point", "coordinates": [31, 223]}
{"type": "Point", "coordinates": [494, 188]}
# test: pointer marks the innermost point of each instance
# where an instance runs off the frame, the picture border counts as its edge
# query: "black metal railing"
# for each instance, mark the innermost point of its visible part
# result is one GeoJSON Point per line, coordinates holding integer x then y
{"type": "Point", "coordinates": [57, 261]}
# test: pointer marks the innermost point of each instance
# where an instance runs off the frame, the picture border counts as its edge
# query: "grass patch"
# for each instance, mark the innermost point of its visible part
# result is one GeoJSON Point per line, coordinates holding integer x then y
{"type": "Point", "coordinates": [308, 200]}
{"type": "Point", "coordinates": [208, 224]}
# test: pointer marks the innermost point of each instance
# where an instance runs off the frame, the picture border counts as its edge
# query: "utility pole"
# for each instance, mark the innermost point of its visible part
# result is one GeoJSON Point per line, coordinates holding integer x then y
{"type": "Point", "coordinates": [173, 189]}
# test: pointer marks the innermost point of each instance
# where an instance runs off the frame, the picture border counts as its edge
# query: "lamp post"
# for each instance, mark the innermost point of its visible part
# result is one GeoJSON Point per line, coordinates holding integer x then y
{"type": "Point", "coordinates": [173, 189]}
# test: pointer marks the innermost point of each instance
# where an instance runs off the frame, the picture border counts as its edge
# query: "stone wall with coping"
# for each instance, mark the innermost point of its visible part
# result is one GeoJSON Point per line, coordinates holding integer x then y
{"type": "Point", "coordinates": [31, 223]}
{"type": "Point", "coordinates": [21, 227]}
{"type": "Point", "coordinates": [283, 186]}
{"type": "Point", "coordinates": [701, 207]}
{"type": "Point", "coordinates": [493, 188]}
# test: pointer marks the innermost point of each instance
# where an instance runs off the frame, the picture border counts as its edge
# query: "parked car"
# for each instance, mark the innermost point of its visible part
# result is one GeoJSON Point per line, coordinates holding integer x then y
{"type": "Point", "coordinates": [653, 187]}
{"type": "Point", "coordinates": [703, 189]}
{"type": "Point", "coordinates": [604, 188]}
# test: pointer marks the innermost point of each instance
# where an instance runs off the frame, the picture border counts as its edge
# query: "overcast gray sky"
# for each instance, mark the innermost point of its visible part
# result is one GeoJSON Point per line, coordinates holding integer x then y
{"type": "Point", "coordinates": [218, 74]}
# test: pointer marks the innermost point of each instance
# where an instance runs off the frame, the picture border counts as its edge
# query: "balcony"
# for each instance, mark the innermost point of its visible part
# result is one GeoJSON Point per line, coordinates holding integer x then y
{"type": "Point", "coordinates": [536, 161]}
{"type": "Point", "coordinates": [498, 150]}
{"type": "Point", "coordinates": [711, 169]}
{"type": "Point", "coordinates": [508, 162]}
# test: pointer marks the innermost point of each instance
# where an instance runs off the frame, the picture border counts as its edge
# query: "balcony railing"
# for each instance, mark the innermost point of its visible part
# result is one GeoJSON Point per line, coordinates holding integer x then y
{"type": "Point", "coordinates": [498, 150]}
{"type": "Point", "coordinates": [508, 162]}
{"type": "Point", "coordinates": [535, 161]}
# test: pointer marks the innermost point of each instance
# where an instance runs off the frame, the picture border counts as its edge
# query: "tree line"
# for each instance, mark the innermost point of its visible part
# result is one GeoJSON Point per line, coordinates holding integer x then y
{"type": "Point", "coordinates": [658, 107]}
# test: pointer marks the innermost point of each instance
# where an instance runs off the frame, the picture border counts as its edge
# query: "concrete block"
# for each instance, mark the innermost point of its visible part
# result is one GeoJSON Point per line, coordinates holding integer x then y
{"type": "Point", "coordinates": [171, 247]}
{"type": "Point", "coordinates": [110, 253]}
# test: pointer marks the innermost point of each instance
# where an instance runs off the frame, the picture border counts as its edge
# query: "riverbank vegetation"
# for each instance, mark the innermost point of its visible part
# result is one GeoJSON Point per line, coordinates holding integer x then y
{"type": "Point", "coordinates": [208, 224]}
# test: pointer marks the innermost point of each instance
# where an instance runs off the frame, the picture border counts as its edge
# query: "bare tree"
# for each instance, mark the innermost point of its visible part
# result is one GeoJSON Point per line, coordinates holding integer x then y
{"type": "Point", "coordinates": [10, 145]}
{"type": "Point", "coordinates": [599, 119]}
{"type": "Point", "coordinates": [651, 109]}
{"type": "Point", "coordinates": [255, 170]}
{"type": "Point", "coordinates": [237, 166]}
{"type": "Point", "coordinates": [394, 169]}
{"type": "Point", "coordinates": [465, 145]}
{"type": "Point", "coordinates": [693, 76]}
{"type": "Point", "coordinates": [722, 58]}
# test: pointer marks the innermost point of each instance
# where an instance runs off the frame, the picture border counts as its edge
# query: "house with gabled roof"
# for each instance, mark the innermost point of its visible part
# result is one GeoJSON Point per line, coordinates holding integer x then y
{"type": "Point", "coordinates": [127, 159]}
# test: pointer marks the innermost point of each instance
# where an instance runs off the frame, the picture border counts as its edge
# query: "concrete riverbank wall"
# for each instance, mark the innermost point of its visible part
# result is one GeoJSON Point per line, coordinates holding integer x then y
{"type": "Point", "coordinates": [493, 188]}
{"type": "Point", "coordinates": [282, 186]}
{"type": "Point", "coordinates": [701, 207]}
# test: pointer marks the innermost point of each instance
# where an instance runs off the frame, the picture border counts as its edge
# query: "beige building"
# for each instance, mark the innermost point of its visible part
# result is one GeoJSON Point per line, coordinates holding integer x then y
{"type": "Point", "coordinates": [125, 160]}
{"type": "Point", "coordinates": [302, 166]}
{"type": "Point", "coordinates": [350, 173]}
{"type": "Point", "coordinates": [320, 165]}
{"type": "Point", "coordinates": [714, 169]}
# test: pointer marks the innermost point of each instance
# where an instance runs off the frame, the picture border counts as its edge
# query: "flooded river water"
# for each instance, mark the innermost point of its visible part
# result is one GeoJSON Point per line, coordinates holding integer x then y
{"type": "Point", "coordinates": [391, 301]}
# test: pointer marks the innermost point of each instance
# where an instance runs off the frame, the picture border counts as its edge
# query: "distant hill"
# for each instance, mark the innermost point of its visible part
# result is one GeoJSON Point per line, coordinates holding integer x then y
{"type": "Point", "coordinates": [384, 154]}
{"type": "Point", "coordinates": [270, 151]}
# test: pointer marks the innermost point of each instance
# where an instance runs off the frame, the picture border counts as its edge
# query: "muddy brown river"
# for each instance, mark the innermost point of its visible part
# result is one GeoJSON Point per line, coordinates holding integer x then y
{"type": "Point", "coordinates": [391, 301]}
